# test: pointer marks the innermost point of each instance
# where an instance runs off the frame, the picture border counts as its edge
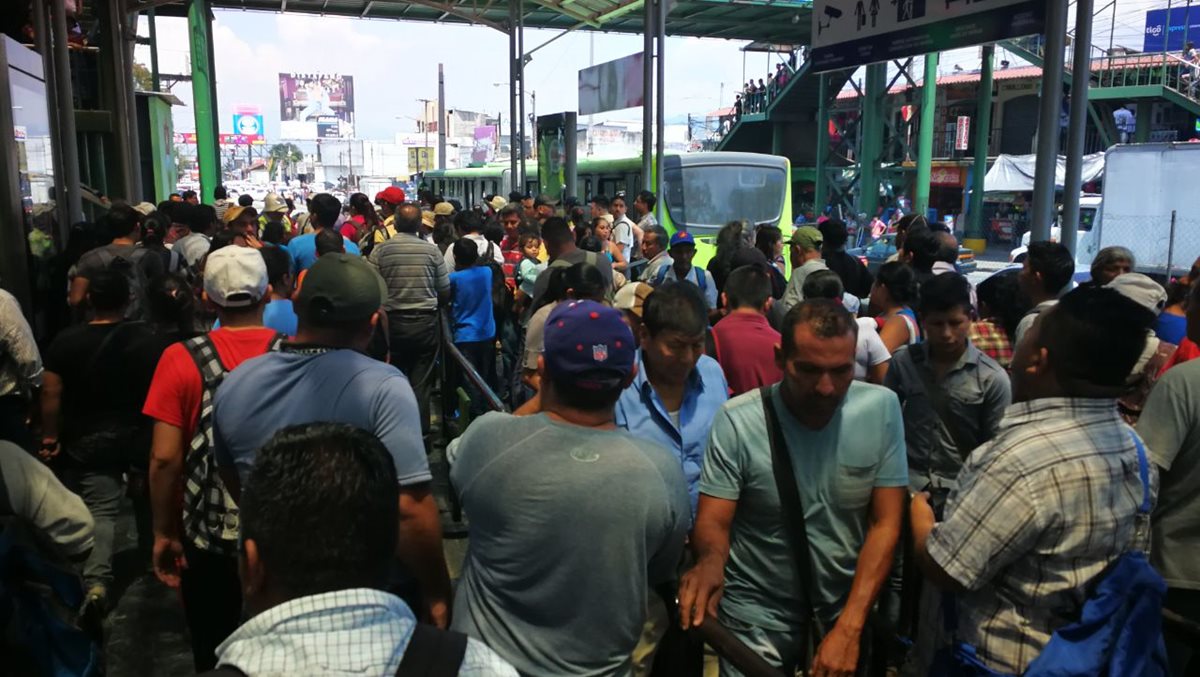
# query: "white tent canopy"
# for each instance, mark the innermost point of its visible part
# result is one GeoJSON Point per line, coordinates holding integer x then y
{"type": "Point", "coordinates": [1014, 173]}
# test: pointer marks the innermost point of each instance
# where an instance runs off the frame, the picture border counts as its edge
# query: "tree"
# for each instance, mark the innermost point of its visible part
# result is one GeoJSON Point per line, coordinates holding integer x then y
{"type": "Point", "coordinates": [143, 80]}
{"type": "Point", "coordinates": [285, 156]}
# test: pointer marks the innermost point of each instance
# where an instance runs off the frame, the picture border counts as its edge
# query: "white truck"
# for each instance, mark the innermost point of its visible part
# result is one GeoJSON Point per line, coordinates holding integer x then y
{"type": "Point", "coordinates": [1149, 206]}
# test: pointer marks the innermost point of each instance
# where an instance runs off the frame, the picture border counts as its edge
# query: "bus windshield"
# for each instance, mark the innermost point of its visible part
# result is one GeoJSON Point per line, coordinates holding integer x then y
{"type": "Point", "coordinates": [706, 197]}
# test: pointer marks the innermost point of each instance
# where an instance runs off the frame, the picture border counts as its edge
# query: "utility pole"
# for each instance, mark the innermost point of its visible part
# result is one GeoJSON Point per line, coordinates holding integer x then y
{"type": "Point", "coordinates": [425, 128]}
{"type": "Point", "coordinates": [441, 117]}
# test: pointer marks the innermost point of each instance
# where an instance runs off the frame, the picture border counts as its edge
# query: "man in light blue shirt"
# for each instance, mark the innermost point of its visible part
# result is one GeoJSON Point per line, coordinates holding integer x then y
{"type": "Point", "coordinates": [323, 213]}
{"type": "Point", "coordinates": [845, 440]}
{"type": "Point", "coordinates": [678, 389]}
{"type": "Point", "coordinates": [683, 250]}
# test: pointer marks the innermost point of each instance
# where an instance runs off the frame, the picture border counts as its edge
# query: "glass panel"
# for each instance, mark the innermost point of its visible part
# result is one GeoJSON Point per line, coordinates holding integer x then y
{"type": "Point", "coordinates": [35, 164]}
{"type": "Point", "coordinates": [707, 197]}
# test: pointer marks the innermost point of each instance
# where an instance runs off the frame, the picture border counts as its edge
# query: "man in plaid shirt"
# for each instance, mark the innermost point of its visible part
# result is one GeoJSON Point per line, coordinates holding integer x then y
{"type": "Point", "coordinates": [1050, 502]}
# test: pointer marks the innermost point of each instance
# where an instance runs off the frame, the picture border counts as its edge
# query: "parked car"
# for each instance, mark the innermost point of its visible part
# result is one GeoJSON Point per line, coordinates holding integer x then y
{"type": "Point", "coordinates": [876, 253]}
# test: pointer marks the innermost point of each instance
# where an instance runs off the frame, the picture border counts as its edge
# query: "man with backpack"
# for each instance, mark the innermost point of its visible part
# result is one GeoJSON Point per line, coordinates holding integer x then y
{"type": "Point", "coordinates": [92, 417]}
{"type": "Point", "coordinates": [1043, 510]}
{"type": "Point", "coordinates": [124, 223]}
{"type": "Point", "coordinates": [683, 250]}
{"type": "Point", "coordinates": [316, 604]}
{"type": "Point", "coordinates": [196, 549]}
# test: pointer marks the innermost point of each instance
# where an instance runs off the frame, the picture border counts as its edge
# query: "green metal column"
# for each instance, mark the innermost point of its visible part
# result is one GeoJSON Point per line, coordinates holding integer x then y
{"type": "Point", "coordinates": [872, 139]}
{"type": "Point", "coordinates": [1141, 130]}
{"type": "Point", "coordinates": [204, 104]}
{"type": "Point", "coordinates": [925, 135]}
{"type": "Point", "coordinates": [821, 184]}
{"type": "Point", "coordinates": [975, 238]}
{"type": "Point", "coordinates": [777, 138]}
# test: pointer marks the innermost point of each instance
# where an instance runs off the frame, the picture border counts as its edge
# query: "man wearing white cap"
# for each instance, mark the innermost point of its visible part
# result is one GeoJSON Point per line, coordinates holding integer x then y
{"type": "Point", "coordinates": [274, 211]}
{"type": "Point", "coordinates": [197, 550]}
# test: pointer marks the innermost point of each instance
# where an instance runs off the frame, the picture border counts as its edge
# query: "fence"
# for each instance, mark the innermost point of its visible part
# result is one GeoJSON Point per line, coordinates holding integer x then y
{"type": "Point", "coordinates": [1163, 244]}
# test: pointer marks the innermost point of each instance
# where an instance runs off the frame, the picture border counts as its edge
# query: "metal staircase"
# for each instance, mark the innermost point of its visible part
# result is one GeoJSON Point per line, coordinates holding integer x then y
{"type": "Point", "coordinates": [800, 96]}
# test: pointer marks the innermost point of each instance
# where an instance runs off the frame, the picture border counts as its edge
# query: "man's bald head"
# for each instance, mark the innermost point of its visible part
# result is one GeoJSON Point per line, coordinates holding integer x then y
{"type": "Point", "coordinates": [408, 219]}
{"type": "Point", "coordinates": [947, 251]}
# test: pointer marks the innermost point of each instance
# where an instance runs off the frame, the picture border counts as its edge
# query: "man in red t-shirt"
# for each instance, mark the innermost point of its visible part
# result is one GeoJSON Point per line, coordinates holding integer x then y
{"type": "Point", "coordinates": [195, 521]}
{"type": "Point", "coordinates": [744, 341]}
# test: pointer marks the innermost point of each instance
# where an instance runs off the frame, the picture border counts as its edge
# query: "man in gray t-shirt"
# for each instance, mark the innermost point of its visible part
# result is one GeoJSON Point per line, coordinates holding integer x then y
{"type": "Point", "coordinates": [1170, 426]}
{"type": "Point", "coordinates": [572, 520]}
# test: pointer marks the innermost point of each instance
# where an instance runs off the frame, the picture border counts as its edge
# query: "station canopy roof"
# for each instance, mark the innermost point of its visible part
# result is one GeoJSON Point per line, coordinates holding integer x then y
{"type": "Point", "coordinates": [764, 21]}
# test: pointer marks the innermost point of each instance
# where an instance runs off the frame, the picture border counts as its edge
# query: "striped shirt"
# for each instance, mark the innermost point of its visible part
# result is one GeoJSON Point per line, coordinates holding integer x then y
{"type": "Point", "coordinates": [414, 271]}
{"type": "Point", "coordinates": [1039, 513]}
{"type": "Point", "coordinates": [345, 632]}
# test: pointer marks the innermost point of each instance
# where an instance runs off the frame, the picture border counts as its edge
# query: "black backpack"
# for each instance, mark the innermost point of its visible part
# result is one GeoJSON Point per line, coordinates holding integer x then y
{"type": "Point", "coordinates": [134, 268]}
{"type": "Point", "coordinates": [430, 653]}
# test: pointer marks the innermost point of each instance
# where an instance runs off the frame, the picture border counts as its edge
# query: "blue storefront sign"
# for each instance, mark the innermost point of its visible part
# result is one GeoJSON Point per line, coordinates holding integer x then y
{"type": "Point", "coordinates": [1169, 30]}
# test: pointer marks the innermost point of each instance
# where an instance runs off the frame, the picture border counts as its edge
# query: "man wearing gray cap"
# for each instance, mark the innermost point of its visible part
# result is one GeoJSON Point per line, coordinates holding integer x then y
{"type": "Point", "coordinates": [324, 375]}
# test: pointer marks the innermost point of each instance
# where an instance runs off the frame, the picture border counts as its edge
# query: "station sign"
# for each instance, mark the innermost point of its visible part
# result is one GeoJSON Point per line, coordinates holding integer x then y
{"type": "Point", "coordinates": [850, 33]}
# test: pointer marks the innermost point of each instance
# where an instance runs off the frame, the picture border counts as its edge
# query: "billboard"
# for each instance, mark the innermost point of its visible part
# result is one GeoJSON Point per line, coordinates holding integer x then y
{"type": "Point", "coordinates": [612, 85]}
{"type": "Point", "coordinates": [316, 106]}
{"type": "Point", "coordinates": [420, 159]}
{"type": "Point", "coordinates": [849, 33]}
{"type": "Point", "coordinates": [485, 145]}
{"type": "Point", "coordinates": [248, 124]}
{"type": "Point", "coordinates": [1167, 30]}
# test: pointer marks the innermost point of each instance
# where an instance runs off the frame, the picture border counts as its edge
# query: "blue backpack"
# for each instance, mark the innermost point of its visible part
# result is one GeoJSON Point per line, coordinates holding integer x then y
{"type": "Point", "coordinates": [1119, 631]}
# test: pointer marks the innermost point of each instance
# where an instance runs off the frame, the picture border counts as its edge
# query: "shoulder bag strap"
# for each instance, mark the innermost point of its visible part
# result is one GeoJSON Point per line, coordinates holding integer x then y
{"type": "Point", "coordinates": [433, 653]}
{"type": "Point", "coordinates": [789, 495]}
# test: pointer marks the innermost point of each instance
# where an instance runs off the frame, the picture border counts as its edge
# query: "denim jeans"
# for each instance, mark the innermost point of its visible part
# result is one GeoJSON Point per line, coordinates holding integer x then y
{"type": "Point", "coordinates": [101, 491]}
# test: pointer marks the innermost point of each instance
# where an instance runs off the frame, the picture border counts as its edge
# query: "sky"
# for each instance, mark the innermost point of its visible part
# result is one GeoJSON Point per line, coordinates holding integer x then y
{"type": "Point", "coordinates": [395, 63]}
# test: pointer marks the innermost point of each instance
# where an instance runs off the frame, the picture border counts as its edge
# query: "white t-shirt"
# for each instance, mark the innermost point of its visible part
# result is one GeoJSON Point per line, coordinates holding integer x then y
{"type": "Point", "coordinates": [622, 234]}
{"type": "Point", "coordinates": [481, 245]}
{"type": "Point", "coordinates": [870, 351]}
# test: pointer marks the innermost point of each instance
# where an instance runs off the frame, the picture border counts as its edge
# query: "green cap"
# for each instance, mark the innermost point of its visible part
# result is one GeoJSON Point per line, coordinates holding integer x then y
{"type": "Point", "coordinates": [807, 237]}
{"type": "Point", "coordinates": [340, 288]}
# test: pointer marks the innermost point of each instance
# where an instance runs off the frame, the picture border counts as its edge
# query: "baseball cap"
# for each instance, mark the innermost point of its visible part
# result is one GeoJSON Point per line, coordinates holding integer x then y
{"type": "Point", "coordinates": [427, 219]}
{"type": "Point", "coordinates": [807, 237]}
{"type": "Point", "coordinates": [340, 288]}
{"type": "Point", "coordinates": [543, 199]}
{"type": "Point", "coordinates": [235, 277]}
{"type": "Point", "coordinates": [234, 213]}
{"type": "Point", "coordinates": [443, 209]}
{"type": "Point", "coordinates": [273, 203]}
{"type": "Point", "coordinates": [497, 203]}
{"type": "Point", "coordinates": [682, 237]}
{"type": "Point", "coordinates": [632, 297]}
{"type": "Point", "coordinates": [391, 195]}
{"type": "Point", "coordinates": [144, 208]}
{"type": "Point", "coordinates": [589, 343]}
{"type": "Point", "coordinates": [1141, 290]}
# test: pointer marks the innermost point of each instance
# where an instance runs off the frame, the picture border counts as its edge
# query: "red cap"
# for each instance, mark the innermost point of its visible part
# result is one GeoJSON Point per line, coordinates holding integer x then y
{"type": "Point", "coordinates": [391, 195]}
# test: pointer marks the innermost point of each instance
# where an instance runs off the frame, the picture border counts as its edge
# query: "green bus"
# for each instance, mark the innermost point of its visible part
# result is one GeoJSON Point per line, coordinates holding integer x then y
{"type": "Point", "coordinates": [702, 191]}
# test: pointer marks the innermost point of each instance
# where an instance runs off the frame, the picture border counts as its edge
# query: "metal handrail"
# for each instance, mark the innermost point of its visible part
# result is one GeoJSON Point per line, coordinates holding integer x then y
{"type": "Point", "coordinates": [492, 400]}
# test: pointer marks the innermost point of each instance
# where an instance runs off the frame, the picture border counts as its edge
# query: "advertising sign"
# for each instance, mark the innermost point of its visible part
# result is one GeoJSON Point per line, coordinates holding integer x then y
{"type": "Point", "coordinates": [420, 159]}
{"type": "Point", "coordinates": [962, 133]}
{"type": "Point", "coordinates": [242, 140]}
{"type": "Point", "coordinates": [248, 124]}
{"type": "Point", "coordinates": [850, 33]}
{"type": "Point", "coordinates": [555, 136]}
{"type": "Point", "coordinates": [1167, 30]}
{"type": "Point", "coordinates": [316, 106]}
{"type": "Point", "coordinates": [612, 85]}
{"type": "Point", "coordinates": [485, 144]}
{"type": "Point", "coordinates": [182, 138]}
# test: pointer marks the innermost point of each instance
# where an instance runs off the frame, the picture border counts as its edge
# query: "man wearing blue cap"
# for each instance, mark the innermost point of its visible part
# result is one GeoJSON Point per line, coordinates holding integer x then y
{"type": "Point", "coordinates": [683, 250]}
{"type": "Point", "coordinates": [559, 570]}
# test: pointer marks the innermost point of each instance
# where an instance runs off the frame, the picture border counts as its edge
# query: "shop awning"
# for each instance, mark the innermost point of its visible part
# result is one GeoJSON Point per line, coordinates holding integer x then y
{"type": "Point", "coordinates": [1014, 173]}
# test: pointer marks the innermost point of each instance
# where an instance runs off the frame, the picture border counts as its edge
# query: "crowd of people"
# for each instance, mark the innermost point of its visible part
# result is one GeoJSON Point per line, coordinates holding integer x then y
{"type": "Point", "coordinates": [851, 473]}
